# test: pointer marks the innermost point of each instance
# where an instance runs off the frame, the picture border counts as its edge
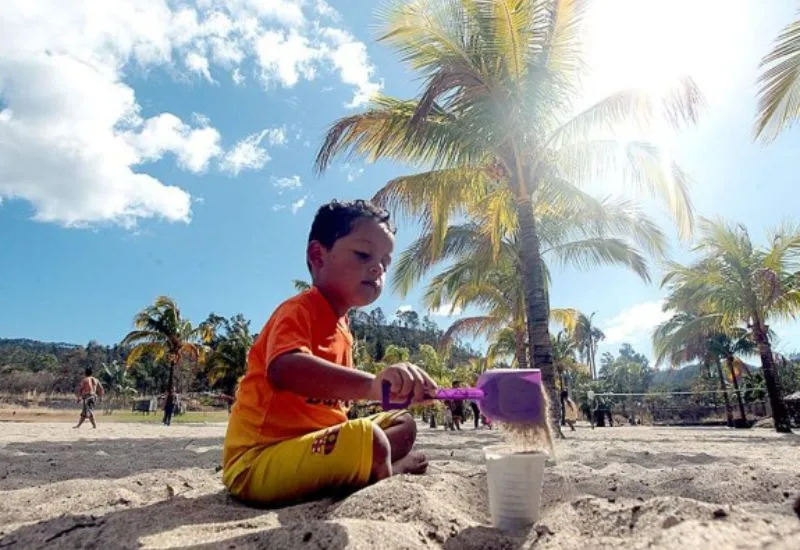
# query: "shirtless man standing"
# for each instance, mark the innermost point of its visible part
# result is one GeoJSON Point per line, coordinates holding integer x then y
{"type": "Point", "coordinates": [89, 390]}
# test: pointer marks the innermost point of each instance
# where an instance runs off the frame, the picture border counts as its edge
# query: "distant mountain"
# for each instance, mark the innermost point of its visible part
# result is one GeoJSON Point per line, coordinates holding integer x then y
{"type": "Point", "coordinates": [676, 379]}
{"type": "Point", "coordinates": [35, 345]}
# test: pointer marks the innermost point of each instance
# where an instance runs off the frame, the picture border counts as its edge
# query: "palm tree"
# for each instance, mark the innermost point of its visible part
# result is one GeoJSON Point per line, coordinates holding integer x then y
{"type": "Point", "coordinates": [300, 285]}
{"type": "Point", "coordinates": [115, 379]}
{"type": "Point", "coordinates": [486, 266]}
{"type": "Point", "coordinates": [688, 336]}
{"type": "Point", "coordinates": [779, 84]}
{"type": "Point", "coordinates": [567, 365]}
{"type": "Point", "coordinates": [587, 336]}
{"type": "Point", "coordinates": [500, 294]}
{"type": "Point", "coordinates": [744, 284]}
{"type": "Point", "coordinates": [497, 117]}
{"type": "Point", "coordinates": [502, 345]}
{"type": "Point", "coordinates": [162, 333]}
{"type": "Point", "coordinates": [227, 362]}
{"type": "Point", "coordinates": [728, 346]}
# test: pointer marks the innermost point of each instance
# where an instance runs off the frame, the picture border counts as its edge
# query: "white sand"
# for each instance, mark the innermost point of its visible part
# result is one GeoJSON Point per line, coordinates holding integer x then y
{"type": "Point", "coordinates": [145, 485]}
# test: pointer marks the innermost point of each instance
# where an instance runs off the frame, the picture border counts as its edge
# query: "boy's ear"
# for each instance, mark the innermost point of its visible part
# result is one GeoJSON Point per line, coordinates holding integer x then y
{"type": "Point", "coordinates": [315, 254]}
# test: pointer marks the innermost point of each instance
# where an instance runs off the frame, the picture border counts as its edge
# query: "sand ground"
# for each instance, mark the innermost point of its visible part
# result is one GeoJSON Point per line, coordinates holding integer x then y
{"type": "Point", "coordinates": [129, 485]}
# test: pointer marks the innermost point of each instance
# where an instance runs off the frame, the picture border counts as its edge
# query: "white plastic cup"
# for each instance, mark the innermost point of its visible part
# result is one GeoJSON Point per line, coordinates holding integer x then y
{"type": "Point", "coordinates": [515, 486]}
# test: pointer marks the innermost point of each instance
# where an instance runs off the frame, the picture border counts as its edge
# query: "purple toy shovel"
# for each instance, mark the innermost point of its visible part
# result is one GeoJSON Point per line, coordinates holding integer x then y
{"type": "Point", "coordinates": [504, 395]}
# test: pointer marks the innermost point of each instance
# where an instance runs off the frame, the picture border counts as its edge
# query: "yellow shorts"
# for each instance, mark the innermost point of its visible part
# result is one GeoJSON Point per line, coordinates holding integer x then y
{"type": "Point", "coordinates": [337, 458]}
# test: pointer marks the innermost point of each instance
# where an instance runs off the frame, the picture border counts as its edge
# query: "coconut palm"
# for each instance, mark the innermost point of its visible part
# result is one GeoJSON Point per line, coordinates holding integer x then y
{"type": "Point", "coordinates": [300, 285]}
{"type": "Point", "coordinates": [587, 336]}
{"type": "Point", "coordinates": [116, 381]}
{"type": "Point", "coordinates": [162, 333]}
{"type": "Point", "coordinates": [497, 117]}
{"type": "Point", "coordinates": [744, 284]}
{"type": "Point", "coordinates": [227, 362]}
{"type": "Point", "coordinates": [779, 84]}
{"type": "Point", "coordinates": [485, 267]}
{"type": "Point", "coordinates": [686, 337]}
{"type": "Point", "coordinates": [565, 360]}
{"type": "Point", "coordinates": [727, 346]}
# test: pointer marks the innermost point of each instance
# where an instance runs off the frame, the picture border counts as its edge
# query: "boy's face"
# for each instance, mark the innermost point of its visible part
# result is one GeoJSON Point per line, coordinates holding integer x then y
{"type": "Point", "coordinates": [353, 271]}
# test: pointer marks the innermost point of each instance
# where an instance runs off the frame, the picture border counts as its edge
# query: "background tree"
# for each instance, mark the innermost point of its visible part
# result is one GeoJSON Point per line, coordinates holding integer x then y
{"type": "Point", "coordinates": [227, 360]}
{"type": "Point", "coordinates": [686, 337]}
{"type": "Point", "coordinates": [746, 285]}
{"type": "Point", "coordinates": [117, 382]}
{"type": "Point", "coordinates": [496, 116]}
{"type": "Point", "coordinates": [163, 334]}
{"type": "Point", "coordinates": [587, 337]}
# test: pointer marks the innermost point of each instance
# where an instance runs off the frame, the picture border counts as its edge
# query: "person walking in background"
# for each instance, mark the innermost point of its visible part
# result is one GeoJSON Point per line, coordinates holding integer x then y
{"type": "Point", "coordinates": [476, 414]}
{"type": "Point", "coordinates": [88, 392]}
{"type": "Point", "coordinates": [169, 407]}
{"type": "Point", "coordinates": [569, 411]}
{"type": "Point", "coordinates": [457, 408]}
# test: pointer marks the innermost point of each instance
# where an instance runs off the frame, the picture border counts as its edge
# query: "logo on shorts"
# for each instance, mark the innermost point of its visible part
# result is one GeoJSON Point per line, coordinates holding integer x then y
{"type": "Point", "coordinates": [324, 444]}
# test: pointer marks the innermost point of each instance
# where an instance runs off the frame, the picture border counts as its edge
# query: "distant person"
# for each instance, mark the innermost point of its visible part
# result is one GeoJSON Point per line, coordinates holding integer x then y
{"type": "Point", "coordinates": [476, 413]}
{"type": "Point", "coordinates": [448, 417]}
{"type": "Point", "coordinates": [570, 411]}
{"type": "Point", "coordinates": [169, 407]}
{"type": "Point", "coordinates": [457, 408]}
{"type": "Point", "coordinates": [288, 435]}
{"type": "Point", "coordinates": [89, 391]}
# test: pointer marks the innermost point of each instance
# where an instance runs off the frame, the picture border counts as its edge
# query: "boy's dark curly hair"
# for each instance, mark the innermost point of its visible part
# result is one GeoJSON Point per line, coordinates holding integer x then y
{"type": "Point", "coordinates": [335, 220]}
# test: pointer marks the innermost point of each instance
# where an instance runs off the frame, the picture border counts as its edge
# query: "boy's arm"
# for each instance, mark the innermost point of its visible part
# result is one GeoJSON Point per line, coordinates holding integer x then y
{"type": "Point", "coordinates": [314, 377]}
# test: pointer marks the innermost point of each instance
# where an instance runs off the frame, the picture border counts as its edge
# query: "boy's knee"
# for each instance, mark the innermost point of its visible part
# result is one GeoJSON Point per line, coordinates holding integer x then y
{"type": "Point", "coordinates": [381, 454]}
{"type": "Point", "coordinates": [406, 422]}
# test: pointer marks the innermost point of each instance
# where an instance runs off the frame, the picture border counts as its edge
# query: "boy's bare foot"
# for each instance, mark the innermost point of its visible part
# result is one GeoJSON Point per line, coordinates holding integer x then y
{"type": "Point", "coordinates": [413, 463]}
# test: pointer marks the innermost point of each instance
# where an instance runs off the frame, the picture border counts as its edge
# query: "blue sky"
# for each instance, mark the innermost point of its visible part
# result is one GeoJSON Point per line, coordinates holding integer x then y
{"type": "Point", "coordinates": [159, 147]}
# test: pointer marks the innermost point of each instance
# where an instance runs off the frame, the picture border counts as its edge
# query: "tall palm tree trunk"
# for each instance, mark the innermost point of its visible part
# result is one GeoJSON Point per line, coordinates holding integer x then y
{"type": "Point", "coordinates": [724, 387]}
{"type": "Point", "coordinates": [735, 380]}
{"type": "Point", "coordinates": [540, 349]}
{"type": "Point", "coordinates": [519, 348]}
{"type": "Point", "coordinates": [780, 415]}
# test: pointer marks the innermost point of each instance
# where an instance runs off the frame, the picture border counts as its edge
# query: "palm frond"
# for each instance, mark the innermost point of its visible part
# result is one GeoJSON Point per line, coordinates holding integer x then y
{"type": "Point", "coordinates": [473, 327]}
{"type": "Point", "coordinates": [156, 350]}
{"type": "Point", "coordinates": [566, 317]}
{"type": "Point", "coordinates": [679, 105]}
{"type": "Point", "coordinates": [384, 131]}
{"type": "Point", "coordinates": [588, 253]}
{"type": "Point", "coordinates": [779, 85]}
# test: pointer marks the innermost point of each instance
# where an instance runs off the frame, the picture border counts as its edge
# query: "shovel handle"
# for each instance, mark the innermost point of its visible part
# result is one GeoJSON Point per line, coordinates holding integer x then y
{"type": "Point", "coordinates": [386, 401]}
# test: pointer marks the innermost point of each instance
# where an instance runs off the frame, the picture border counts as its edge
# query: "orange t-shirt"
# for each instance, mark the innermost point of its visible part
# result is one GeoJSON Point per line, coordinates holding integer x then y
{"type": "Point", "coordinates": [263, 415]}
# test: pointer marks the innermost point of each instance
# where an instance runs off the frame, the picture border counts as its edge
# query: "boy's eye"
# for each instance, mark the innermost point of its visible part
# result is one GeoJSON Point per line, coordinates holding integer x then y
{"type": "Point", "coordinates": [363, 256]}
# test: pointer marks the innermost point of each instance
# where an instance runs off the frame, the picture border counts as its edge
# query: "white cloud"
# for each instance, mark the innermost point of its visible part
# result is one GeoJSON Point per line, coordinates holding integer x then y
{"type": "Point", "coordinates": [277, 207]}
{"type": "Point", "coordinates": [291, 182]}
{"type": "Point", "coordinates": [237, 77]}
{"type": "Point", "coordinates": [350, 57]}
{"type": "Point", "coordinates": [634, 323]}
{"type": "Point", "coordinates": [326, 10]}
{"type": "Point", "coordinates": [77, 151]}
{"type": "Point", "coordinates": [194, 147]}
{"type": "Point", "coordinates": [404, 308]}
{"type": "Point", "coordinates": [298, 204]}
{"type": "Point", "coordinates": [276, 136]}
{"type": "Point", "coordinates": [286, 57]}
{"type": "Point", "coordinates": [248, 154]}
{"type": "Point", "coordinates": [446, 310]}
{"type": "Point", "coordinates": [198, 63]}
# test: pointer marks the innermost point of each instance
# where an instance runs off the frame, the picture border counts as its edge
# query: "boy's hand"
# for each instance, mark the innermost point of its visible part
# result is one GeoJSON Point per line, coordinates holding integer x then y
{"type": "Point", "coordinates": [405, 379]}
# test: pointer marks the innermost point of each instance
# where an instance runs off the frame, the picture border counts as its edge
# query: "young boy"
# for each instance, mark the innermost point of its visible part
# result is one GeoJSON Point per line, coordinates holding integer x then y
{"type": "Point", "coordinates": [288, 435]}
{"type": "Point", "coordinates": [88, 391]}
